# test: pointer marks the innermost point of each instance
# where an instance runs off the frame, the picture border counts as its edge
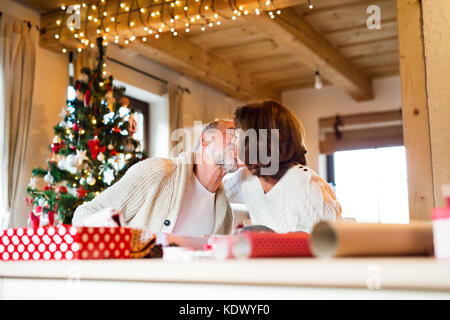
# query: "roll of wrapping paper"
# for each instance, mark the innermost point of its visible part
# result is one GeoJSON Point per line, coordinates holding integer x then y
{"type": "Point", "coordinates": [339, 239]}
{"type": "Point", "coordinates": [264, 244]}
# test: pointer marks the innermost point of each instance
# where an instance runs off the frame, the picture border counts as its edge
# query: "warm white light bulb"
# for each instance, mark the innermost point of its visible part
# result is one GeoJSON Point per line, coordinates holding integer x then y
{"type": "Point", "coordinates": [318, 82]}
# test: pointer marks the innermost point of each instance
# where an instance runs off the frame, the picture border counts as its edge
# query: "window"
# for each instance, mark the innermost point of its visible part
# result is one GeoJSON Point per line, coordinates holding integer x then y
{"type": "Point", "coordinates": [141, 115]}
{"type": "Point", "coordinates": [371, 184]}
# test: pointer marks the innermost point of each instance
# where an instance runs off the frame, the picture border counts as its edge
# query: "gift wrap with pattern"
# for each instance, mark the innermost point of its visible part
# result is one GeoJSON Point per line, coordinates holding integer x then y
{"type": "Point", "coordinates": [65, 242]}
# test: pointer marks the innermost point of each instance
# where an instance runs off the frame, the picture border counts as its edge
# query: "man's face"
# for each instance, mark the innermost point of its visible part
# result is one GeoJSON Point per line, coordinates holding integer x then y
{"type": "Point", "coordinates": [222, 146]}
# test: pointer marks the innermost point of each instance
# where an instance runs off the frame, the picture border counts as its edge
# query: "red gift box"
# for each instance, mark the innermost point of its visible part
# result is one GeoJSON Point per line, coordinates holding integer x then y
{"type": "Point", "coordinates": [65, 242]}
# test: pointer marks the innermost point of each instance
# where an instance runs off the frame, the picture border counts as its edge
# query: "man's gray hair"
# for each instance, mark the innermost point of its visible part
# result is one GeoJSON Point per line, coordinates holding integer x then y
{"type": "Point", "coordinates": [210, 126]}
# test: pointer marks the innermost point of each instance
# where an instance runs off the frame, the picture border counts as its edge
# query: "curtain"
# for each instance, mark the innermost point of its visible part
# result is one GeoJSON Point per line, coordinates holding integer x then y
{"type": "Point", "coordinates": [18, 42]}
{"type": "Point", "coordinates": [175, 117]}
{"type": "Point", "coordinates": [361, 131]}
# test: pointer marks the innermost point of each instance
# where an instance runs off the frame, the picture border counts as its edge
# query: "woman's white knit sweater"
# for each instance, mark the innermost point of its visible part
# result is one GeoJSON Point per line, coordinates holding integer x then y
{"type": "Point", "coordinates": [150, 193]}
{"type": "Point", "coordinates": [296, 202]}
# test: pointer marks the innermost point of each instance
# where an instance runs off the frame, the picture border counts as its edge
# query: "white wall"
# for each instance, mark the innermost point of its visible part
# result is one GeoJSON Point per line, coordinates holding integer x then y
{"type": "Point", "coordinates": [310, 105]}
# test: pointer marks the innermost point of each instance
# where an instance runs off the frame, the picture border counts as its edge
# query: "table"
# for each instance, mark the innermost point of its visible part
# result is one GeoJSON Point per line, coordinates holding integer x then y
{"type": "Point", "coordinates": [289, 278]}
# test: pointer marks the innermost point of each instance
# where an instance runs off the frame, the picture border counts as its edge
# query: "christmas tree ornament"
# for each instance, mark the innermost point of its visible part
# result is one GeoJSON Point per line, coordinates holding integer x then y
{"type": "Point", "coordinates": [48, 187]}
{"type": "Point", "coordinates": [90, 180]}
{"type": "Point", "coordinates": [94, 147]}
{"type": "Point", "coordinates": [125, 101]}
{"type": "Point", "coordinates": [33, 221]}
{"type": "Point", "coordinates": [55, 147]}
{"type": "Point", "coordinates": [64, 113]}
{"type": "Point", "coordinates": [87, 98]}
{"type": "Point", "coordinates": [75, 127]}
{"type": "Point", "coordinates": [62, 164]}
{"type": "Point", "coordinates": [43, 220]}
{"type": "Point", "coordinates": [132, 125]}
{"type": "Point", "coordinates": [51, 218]}
{"type": "Point", "coordinates": [32, 183]}
{"type": "Point", "coordinates": [37, 211]}
{"type": "Point", "coordinates": [48, 178]}
{"type": "Point", "coordinates": [79, 95]}
{"type": "Point", "coordinates": [82, 192]}
{"type": "Point", "coordinates": [81, 156]}
{"type": "Point", "coordinates": [42, 202]}
{"type": "Point", "coordinates": [61, 189]}
{"type": "Point", "coordinates": [129, 147]}
{"type": "Point", "coordinates": [71, 160]}
{"type": "Point", "coordinates": [108, 176]}
{"type": "Point", "coordinates": [82, 180]}
{"type": "Point", "coordinates": [110, 147]}
{"type": "Point", "coordinates": [101, 157]}
{"type": "Point", "coordinates": [28, 201]}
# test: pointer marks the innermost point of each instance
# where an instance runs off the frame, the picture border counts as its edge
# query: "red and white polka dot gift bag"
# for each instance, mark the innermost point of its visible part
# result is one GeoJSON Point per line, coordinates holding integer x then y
{"type": "Point", "coordinates": [65, 242]}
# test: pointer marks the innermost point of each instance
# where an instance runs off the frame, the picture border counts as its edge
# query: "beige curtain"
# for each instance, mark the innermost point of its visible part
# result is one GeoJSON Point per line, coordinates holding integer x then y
{"type": "Point", "coordinates": [18, 43]}
{"type": "Point", "coordinates": [175, 117]}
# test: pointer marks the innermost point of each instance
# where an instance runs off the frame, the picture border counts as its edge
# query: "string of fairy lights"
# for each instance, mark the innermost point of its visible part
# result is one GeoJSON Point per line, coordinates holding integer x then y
{"type": "Point", "coordinates": [173, 16]}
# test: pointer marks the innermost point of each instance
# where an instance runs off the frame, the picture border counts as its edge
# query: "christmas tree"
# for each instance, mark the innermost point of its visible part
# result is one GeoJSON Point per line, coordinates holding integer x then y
{"type": "Point", "coordinates": [92, 148]}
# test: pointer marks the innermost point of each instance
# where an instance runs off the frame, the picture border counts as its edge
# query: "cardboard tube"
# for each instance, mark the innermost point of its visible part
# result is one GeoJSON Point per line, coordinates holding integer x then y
{"type": "Point", "coordinates": [338, 239]}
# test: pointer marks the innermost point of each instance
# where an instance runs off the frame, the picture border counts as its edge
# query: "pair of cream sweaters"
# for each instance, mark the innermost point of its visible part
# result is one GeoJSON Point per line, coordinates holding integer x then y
{"type": "Point", "coordinates": [150, 193]}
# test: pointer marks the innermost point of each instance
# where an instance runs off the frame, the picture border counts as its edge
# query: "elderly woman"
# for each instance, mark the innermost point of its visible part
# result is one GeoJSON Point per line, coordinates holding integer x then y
{"type": "Point", "coordinates": [280, 191]}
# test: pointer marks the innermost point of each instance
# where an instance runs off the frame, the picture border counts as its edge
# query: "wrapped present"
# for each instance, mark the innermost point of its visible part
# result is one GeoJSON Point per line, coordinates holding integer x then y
{"type": "Point", "coordinates": [143, 244]}
{"type": "Point", "coordinates": [65, 242]}
{"type": "Point", "coordinates": [262, 244]}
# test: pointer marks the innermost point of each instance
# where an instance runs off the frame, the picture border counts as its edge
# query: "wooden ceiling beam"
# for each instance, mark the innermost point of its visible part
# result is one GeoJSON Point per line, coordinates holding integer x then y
{"type": "Point", "coordinates": [191, 60]}
{"type": "Point", "coordinates": [289, 29]}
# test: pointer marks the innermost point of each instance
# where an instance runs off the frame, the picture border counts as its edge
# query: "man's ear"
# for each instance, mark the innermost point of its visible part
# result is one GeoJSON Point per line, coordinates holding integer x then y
{"type": "Point", "coordinates": [204, 139]}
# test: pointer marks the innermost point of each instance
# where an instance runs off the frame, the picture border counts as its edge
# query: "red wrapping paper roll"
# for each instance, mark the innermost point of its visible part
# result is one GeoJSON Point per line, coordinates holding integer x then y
{"type": "Point", "coordinates": [265, 244]}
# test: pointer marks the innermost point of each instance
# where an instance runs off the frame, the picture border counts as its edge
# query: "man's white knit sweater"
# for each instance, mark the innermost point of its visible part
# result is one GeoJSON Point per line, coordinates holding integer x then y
{"type": "Point", "coordinates": [150, 193]}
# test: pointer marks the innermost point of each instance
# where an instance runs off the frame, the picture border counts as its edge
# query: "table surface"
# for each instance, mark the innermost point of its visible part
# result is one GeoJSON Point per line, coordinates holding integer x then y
{"type": "Point", "coordinates": [410, 273]}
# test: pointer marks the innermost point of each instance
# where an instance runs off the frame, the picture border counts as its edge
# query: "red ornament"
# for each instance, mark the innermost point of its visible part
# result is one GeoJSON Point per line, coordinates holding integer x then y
{"type": "Point", "coordinates": [73, 147]}
{"type": "Point", "coordinates": [61, 189]}
{"type": "Point", "coordinates": [34, 221]}
{"type": "Point", "coordinates": [75, 127]}
{"type": "Point", "coordinates": [56, 147]}
{"type": "Point", "coordinates": [28, 201]}
{"type": "Point", "coordinates": [51, 217]}
{"type": "Point", "coordinates": [113, 152]}
{"type": "Point", "coordinates": [116, 130]}
{"type": "Point", "coordinates": [48, 187]}
{"type": "Point", "coordinates": [87, 97]}
{"type": "Point", "coordinates": [94, 147]}
{"type": "Point", "coordinates": [82, 192]}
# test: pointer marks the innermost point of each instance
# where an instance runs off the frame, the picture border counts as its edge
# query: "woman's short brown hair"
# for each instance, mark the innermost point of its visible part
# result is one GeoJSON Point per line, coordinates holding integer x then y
{"type": "Point", "coordinates": [271, 115]}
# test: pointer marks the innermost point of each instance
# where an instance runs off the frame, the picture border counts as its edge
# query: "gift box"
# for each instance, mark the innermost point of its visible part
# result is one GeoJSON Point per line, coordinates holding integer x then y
{"type": "Point", "coordinates": [441, 232]}
{"type": "Point", "coordinates": [65, 242]}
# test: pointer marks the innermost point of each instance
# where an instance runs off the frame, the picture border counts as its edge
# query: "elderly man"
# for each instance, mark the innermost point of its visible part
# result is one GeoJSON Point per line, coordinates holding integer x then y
{"type": "Point", "coordinates": [182, 195]}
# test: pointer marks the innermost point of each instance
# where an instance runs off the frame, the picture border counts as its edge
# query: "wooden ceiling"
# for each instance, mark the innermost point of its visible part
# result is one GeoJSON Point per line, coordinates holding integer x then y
{"type": "Point", "coordinates": [256, 56]}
